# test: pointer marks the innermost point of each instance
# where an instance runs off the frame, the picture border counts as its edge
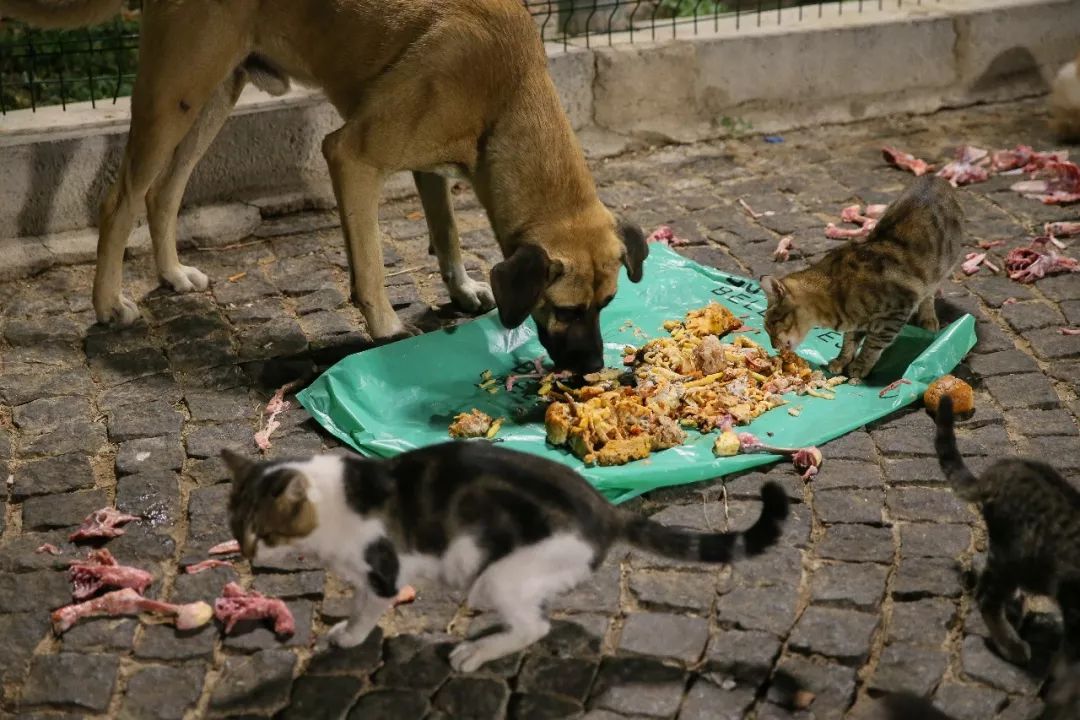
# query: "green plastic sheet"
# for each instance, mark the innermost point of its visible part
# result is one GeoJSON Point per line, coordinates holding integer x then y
{"type": "Point", "coordinates": [402, 396]}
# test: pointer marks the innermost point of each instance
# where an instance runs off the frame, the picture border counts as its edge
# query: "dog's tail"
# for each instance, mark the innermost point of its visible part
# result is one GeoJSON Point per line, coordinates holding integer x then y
{"type": "Point", "coordinates": [963, 481]}
{"type": "Point", "coordinates": [713, 547]}
{"type": "Point", "coordinates": [60, 13]}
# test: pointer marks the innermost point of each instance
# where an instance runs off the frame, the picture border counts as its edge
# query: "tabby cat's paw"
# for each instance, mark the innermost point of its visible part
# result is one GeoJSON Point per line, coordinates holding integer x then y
{"type": "Point", "coordinates": [836, 367]}
{"type": "Point", "coordinates": [339, 636]}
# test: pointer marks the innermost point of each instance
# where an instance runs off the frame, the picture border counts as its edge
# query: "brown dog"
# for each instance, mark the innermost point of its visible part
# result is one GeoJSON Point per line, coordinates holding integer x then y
{"type": "Point", "coordinates": [439, 87]}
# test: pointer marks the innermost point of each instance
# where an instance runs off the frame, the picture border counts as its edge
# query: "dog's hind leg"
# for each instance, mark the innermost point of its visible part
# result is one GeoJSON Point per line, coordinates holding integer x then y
{"type": "Point", "coordinates": [165, 195]}
{"type": "Point", "coordinates": [176, 77]}
{"type": "Point", "coordinates": [470, 295]}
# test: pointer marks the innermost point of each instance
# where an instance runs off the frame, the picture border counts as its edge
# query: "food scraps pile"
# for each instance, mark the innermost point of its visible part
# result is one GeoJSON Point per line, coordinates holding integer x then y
{"type": "Point", "coordinates": [691, 379]}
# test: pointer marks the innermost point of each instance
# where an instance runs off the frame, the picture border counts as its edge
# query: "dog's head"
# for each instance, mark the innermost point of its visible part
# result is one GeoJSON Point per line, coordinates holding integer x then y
{"type": "Point", "coordinates": [564, 275]}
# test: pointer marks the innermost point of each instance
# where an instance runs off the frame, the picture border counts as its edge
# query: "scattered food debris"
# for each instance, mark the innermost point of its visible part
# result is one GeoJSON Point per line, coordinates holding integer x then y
{"type": "Point", "coordinates": [49, 548]}
{"type": "Point", "coordinates": [990, 244]}
{"type": "Point", "coordinates": [99, 571]}
{"type": "Point", "coordinates": [129, 602]}
{"type": "Point", "coordinates": [854, 214]}
{"type": "Point", "coordinates": [472, 424]}
{"type": "Point", "coordinates": [784, 248]}
{"type": "Point", "coordinates": [807, 460]}
{"type": "Point", "coordinates": [727, 444]}
{"type": "Point", "coordinates": [196, 568]}
{"type": "Point", "coordinates": [666, 236]}
{"type": "Point", "coordinates": [1069, 330]}
{"type": "Point", "coordinates": [229, 547]}
{"type": "Point", "coordinates": [773, 139]}
{"type": "Point", "coordinates": [103, 523]}
{"type": "Point", "coordinates": [1062, 229]}
{"type": "Point", "coordinates": [236, 605]}
{"type": "Point", "coordinates": [1059, 185]}
{"type": "Point", "coordinates": [277, 405]}
{"type": "Point", "coordinates": [415, 215]}
{"type": "Point", "coordinates": [972, 263]}
{"type": "Point", "coordinates": [893, 386]}
{"type": "Point", "coordinates": [1024, 159]}
{"type": "Point", "coordinates": [802, 700]}
{"type": "Point", "coordinates": [1009, 301]}
{"type": "Point", "coordinates": [963, 397]}
{"type": "Point", "coordinates": [968, 167]}
{"type": "Point", "coordinates": [1035, 261]}
{"type": "Point", "coordinates": [795, 410]}
{"type": "Point", "coordinates": [405, 596]}
{"type": "Point", "coordinates": [750, 211]}
{"type": "Point", "coordinates": [905, 161]}
{"type": "Point", "coordinates": [238, 276]}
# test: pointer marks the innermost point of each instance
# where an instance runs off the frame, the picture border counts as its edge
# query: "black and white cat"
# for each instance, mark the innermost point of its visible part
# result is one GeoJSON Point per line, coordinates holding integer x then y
{"type": "Point", "coordinates": [515, 528]}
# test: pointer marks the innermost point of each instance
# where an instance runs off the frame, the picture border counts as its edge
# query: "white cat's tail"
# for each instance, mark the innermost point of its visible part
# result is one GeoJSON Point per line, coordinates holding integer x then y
{"type": "Point", "coordinates": [713, 547]}
{"type": "Point", "coordinates": [963, 481]}
{"type": "Point", "coordinates": [60, 13]}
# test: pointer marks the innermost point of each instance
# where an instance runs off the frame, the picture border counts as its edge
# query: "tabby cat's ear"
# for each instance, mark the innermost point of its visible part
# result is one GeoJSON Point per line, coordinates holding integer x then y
{"type": "Point", "coordinates": [774, 288]}
{"type": "Point", "coordinates": [238, 465]}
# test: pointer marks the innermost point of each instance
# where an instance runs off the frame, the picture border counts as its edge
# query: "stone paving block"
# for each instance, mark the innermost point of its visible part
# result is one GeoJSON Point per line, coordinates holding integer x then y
{"type": "Point", "coordinates": [412, 662]}
{"type": "Point", "coordinates": [982, 665]}
{"type": "Point", "coordinates": [532, 706]}
{"type": "Point", "coordinates": [1022, 708]}
{"type": "Point", "coordinates": [390, 705]}
{"type": "Point", "coordinates": [100, 634]}
{"type": "Point", "coordinates": [1023, 391]}
{"type": "Point", "coordinates": [1004, 362]}
{"type": "Point", "coordinates": [291, 585]}
{"type": "Point", "coordinates": [1050, 344]}
{"type": "Point", "coordinates": [164, 642]}
{"type": "Point", "coordinates": [758, 609]}
{"type": "Point", "coordinates": [154, 496]}
{"type": "Point", "coordinates": [1024, 316]}
{"type": "Point", "coordinates": [833, 686]}
{"type": "Point", "coordinates": [48, 414]}
{"type": "Point", "coordinates": [857, 543]}
{"type": "Point", "coordinates": [836, 633]}
{"type": "Point", "coordinates": [856, 585]}
{"type": "Point", "coordinates": [708, 701]}
{"type": "Point", "coordinates": [673, 589]}
{"type": "Point", "coordinates": [52, 475]}
{"type": "Point", "coordinates": [359, 660]}
{"type": "Point", "coordinates": [663, 635]}
{"type": "Point", "coordinates": [780, 567]}
{"type": "Point", "coordinates": [85, 681]}
{"type": "Point", "coordinates": [1036, 423]}
{"type": "Point", "coordinates": [933, 540]}
{"type": "Point", "coordinates": [256, 684]}
{"type": "Point", "coordinates": [151, 419]}
{"type": "Point", "coordinates": [163, 692]}
{"type": "Point", "coordinates": [746, 655]}
{"type": "Point", "coordinates": [1059, 451]}
{"type": "Point", "coordinates": [578, 636]}
{"type": "Point", "coordinates": [917, 578]}
{"type": "Point", "coordinates": [159, 453]}
{"type": "Point", "coordinates": [969, 702]}
{"type": "Point", "coordinates": [475, 698]}
{"type": "Point", "coordinates": [926, 505]}
{"type": "Point", "coordinates": [848, 474]}
{"type": "Point", "coordinates": [61, 510]}
{"type": "Point", "coordinates": [908, 668]}
{"type": "Point", "coordinates": [913, 471]}
{"type": "Point", "coordinates": [322, 698]}
{"type": "Point", "coordinates": [848, 506]}
{"type": "Point", "coordinates": [923, 622]}
{"type": "Point", "coordinates": [598, 593]}
{"type": "Point", "coordinates": [22, 631]}
{"type": "Point", "coordinates": [639, 686]}
{"type": "Point", "coordinates": [275, 338]}
{"type": "Point", "coordinates": [567, 677]}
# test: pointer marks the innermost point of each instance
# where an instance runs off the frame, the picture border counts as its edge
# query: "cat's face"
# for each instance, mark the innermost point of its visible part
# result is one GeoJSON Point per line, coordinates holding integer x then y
{"type": "Point", "coordinates": [269, 504]}
{"type": "Point", "coordinates": [787, 321]}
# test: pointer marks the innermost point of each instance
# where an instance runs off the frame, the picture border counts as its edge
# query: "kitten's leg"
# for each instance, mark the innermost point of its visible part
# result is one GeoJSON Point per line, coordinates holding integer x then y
{"type": "Point", "coordinates": [847, 351]}
{"type": "Point", "coordinates": [994, 592]}
{"type": "Point", "coordinates": [367, 608]}
{"type": "Point", "coordinates": [879, 335]}
{"type": "Point", "coordinates": [516, 587]}
{"type": "Point", "coordinates": [926, 315]}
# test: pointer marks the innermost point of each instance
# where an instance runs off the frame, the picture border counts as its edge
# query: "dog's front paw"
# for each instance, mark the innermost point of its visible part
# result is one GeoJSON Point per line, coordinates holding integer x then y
{"type": "Point", "coordinates": [339, 636]}
{"type": "Point", "coordinates": [465, 657]}
{"type": "Point", "coordinates": [472, 295]}
{"type": "Point", "coordinates": [119, 311]}
{"type": "Point", "coordinates": [184, 278]}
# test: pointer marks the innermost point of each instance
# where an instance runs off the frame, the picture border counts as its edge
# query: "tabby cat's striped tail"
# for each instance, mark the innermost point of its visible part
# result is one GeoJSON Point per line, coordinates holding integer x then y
{"type": "Point", "coordinates": [713, 547]}
{"type": "Point", "coordinates": [963, 481]}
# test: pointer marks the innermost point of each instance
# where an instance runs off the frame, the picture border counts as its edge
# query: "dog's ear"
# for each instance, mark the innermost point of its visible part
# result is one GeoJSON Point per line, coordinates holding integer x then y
{"type": "Point", "coordinates": [774, 288]}
{"type": "Point", "coordinates": [519, 281]}
{"type": "Point", "coordinates": [635, 249]}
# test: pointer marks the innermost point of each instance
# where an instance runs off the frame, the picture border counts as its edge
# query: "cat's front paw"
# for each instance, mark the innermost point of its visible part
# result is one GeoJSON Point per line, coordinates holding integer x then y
{"type": "Point", "coordinates": [836, 367]}
{"type": "Point", "coordinates": [340, 636]}
{"type": "Point", "coordinates": [466, 657]}
{"type": "Point", "coordinates": [1016, 651]}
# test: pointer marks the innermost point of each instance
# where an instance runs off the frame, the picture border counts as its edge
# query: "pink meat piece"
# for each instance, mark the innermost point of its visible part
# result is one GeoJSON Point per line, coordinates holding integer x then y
{"type": "Point", "coordinates": [1028, 264]}
{"type": "Point", "coordinates": [48, 548]}
{"type": "Point", "coordinates": [783, 248]}
{"type": "Point", "coordinates": [236, 605]}
{"type": "Point", "coordinates": [405, 596]}
{"type": "Point", "coordinates": [751, 212]}
{"type": "Point", "coordinates": [968, 167]}
{"type": "Point", "coordinates": [1059, 184]}
{"type": "Point", "coordinates": [100, 570]}
{"type": "Point", "coordinates": [807, 460]}
{"type": "Point", "coordinates": [275, 407]}
{"type": "Point", "coordinates": [196, 568]}
{"type": "Point", "coordinates": [905, 161]}
{"type": "Point", "coordinates": [838, 233]}
{"type": "Point", "coordinates": [129, 602]}
{"type": "Point", "coordinates": [990, 244]}
{"type": "Point", "coordinates": [229, 547]}
{"type": "Point", "coordinates": [971, 265]}
{"type": "Point", "coordinates": [103, 523]}
{"type": "Point", "coordinates": [852, 214]}
{"type": "Point", "coordinates": [1069, 330]}
{"type": "Point", "coordinates": [1062, 229]}
{"type": "Point", "coordinates": [1005, 160]}
{"type": "Point", "coordinates": [665, 236]}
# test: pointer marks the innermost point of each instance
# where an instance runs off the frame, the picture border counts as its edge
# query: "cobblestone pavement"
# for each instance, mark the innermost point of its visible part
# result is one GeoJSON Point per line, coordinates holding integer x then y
{"type": "Point", "coordinates": [865, 593]}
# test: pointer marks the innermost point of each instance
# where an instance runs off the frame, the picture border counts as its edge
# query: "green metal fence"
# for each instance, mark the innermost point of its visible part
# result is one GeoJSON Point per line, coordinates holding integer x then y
{"type": "Point", "coordinates": [51, 67]}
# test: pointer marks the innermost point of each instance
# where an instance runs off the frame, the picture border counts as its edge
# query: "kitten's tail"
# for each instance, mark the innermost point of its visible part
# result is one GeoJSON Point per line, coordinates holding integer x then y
{"type": "Point", "coordinates": [963, 481]}
{"type": "Point", "coordinates": [713, 547]}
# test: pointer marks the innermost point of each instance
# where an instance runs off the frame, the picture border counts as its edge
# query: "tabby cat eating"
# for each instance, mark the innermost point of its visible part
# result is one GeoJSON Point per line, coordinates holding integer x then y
{"type": "Point", "coordinates": [869, 290]}
{"type": "Point", "coordinates": [515, 528]}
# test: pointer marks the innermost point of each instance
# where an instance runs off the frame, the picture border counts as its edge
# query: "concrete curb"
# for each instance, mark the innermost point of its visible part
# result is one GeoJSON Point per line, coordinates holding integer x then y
{"type": "Point", "coordinates": [682, 88]}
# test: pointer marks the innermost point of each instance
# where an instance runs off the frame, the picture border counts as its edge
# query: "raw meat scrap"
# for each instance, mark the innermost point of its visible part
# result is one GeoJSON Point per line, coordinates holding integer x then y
{"type": "Point", "coordinates": [235, 605]}
{"type": "Point", "coordinates": [665, 236]}
{"type": "Point", "coordinates": [753, 213]}
{"type": "Point", "coordinates": [1062, 229]}
{"type": "Point", "coordinates": [854, 214]}
{"type": "Point", "coordinates": [807, 460]}
{"type": "Point", "coordinates": [1023, 157]}
{"type": "Point", "coordinates": [783, 249]}
{"type": "Point", "coordinates": [48, 548]}
{"type": "Point", "coordinates": [1069, 330]}
{"type": "Point", "coordinates": [129, 602]}
{"type": "Point", "coordinates": [277, 405]}
{"type": "Point", "coordinates": [100, 570]}
{"type": "Point", "coordinates": [229, 547]}
{"type": "Point", "coordinates": [199, 567]}
{"type": "Point", "coordinates": [1028, 264]}
{"type": "Point", "coordinates": [1059, 185]}
{"type": "Point", "coordinates": [905, 161]}
{"type": "Point", "coordinates": [838, 233]}
{"type": "Point", "coordinates": [968, 167]}
{"type": "Point", "coordinates": [972, 263]}
{"type": "Point", "coordinates": [103, 523]}
{"type": "Point", "coordinates": [405, 596]}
